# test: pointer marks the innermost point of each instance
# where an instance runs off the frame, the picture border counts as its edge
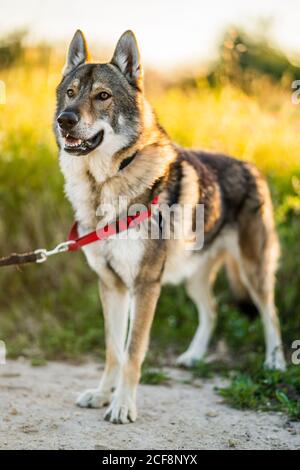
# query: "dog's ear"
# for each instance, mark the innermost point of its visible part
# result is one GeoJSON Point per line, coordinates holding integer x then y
{"type": "Point", "coordinates": [127, 58]}
{"type": "Point", "coordinates": [77, 53]}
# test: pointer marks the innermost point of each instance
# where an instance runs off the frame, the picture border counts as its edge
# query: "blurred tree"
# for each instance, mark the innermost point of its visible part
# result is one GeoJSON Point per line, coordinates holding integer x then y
{"type": "Point", "coordinates": [11, 48]}
{"type": "Point", "coordinates": [243, 58]}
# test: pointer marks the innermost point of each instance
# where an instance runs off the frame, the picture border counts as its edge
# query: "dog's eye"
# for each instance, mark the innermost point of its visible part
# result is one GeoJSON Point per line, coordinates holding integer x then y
{"type": "Point", "coordinates": [102, 96]}
{"type": "Point", "coordinates": [70, 93]}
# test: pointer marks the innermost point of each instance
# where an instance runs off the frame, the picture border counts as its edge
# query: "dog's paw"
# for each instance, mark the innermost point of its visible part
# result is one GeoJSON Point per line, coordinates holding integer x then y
{"type": "Point", "coordinates": [93, 398]}
{"type": "Point", "coordinates": [187, 359]}
{"type": "Point", "coordinates": [121, 411]}
{"type": "Point", "coordinates": [275, 361]}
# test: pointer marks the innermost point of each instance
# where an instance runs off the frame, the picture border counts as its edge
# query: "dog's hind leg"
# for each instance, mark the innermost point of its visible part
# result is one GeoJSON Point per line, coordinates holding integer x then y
{"type": "Point", "coordinates": [115, 303]}
{"type": "Point", "coordinates": [258, 275]}
{"type": "Point", "coordinates": [237, 286]}
{"type": "Point", "coordinates": [242, 297]}
{"type": "Point", "coordinates": [199, 290]}
{"type": "Point", "coordinates": [257, 255]}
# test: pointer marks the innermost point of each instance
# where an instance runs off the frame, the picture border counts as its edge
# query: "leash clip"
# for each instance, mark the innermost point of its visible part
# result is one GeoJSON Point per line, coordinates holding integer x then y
{"type": "Point", "coordinates": [60, 248]}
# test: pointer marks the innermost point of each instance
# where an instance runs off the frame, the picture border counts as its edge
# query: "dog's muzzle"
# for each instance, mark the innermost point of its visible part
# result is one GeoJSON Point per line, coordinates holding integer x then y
{"type": "Point", "coordinates": [80, 147]}
{"type": "Point", "coordinates": [67, 122]}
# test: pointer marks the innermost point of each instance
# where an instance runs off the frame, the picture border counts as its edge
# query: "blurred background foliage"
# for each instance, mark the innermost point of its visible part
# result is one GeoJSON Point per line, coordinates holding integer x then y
{"type": "Point", "coordinates": [244, 58]}
{"type": "Point", "coordinates": [241, 105]}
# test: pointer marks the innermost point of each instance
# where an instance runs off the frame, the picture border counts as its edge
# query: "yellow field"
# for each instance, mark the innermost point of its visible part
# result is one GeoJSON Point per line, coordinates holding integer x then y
{"type": "Point", "coordinates": [262, 129]}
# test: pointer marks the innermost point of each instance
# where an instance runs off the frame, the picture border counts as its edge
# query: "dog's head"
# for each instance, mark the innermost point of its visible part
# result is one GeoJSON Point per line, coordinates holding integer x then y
{"type": "Point", "coordinates": [98, 104]}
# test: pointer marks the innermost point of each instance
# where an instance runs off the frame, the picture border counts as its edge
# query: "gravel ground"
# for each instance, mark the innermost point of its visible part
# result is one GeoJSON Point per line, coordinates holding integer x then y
{"type": "Point", "coordinates": [37, 411]}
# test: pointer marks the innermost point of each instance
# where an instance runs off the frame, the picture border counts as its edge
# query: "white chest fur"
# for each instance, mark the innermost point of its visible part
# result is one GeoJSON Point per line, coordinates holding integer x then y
{"type": "Point", "coordinates": [78, 171]}
{"type": "Point", "coordinates": [123, 253]}
{"type": "Point", "coordinates": [124, 256]}
{"type": "Point", "coordinates": [78, 187]}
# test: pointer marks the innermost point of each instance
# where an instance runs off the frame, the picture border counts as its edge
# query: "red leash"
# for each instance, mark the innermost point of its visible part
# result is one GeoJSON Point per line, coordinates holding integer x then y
{"type": "Point", "coordinates": [108, 230]}
{"type": "Point", "coordinates": [75, 242]}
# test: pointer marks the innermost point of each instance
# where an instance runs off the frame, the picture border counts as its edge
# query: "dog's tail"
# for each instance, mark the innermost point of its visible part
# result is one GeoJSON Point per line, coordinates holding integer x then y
{"type": "Point", "coordinates": [242, 298]}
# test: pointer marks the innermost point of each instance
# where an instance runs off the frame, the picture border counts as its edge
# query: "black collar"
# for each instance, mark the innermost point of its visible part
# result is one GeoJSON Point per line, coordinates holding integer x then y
{"type": "Point", "coordinates": [124, 163]}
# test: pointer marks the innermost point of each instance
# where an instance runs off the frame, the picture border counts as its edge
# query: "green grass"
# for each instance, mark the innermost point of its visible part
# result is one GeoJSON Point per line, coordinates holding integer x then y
{"type": "Point", "coordinates": [251, 386]}
{"type": "Point", "coordinates": [38, 362]}
{"type": "Point", "coordinates": [202, 370]}
{"type": "Point", "coordinates": [266, 391]}
{"type": "Point", "coordinates": [154, 377]}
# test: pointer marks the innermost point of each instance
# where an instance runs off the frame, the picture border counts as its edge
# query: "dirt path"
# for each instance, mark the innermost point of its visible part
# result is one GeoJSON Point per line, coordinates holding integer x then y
{"type": "Point", "coordinates": [38, 412]}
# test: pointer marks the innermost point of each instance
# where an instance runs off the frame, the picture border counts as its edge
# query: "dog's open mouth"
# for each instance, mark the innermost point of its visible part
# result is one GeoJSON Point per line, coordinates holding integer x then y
{"type": "Point", "coordinates": [80, 146]}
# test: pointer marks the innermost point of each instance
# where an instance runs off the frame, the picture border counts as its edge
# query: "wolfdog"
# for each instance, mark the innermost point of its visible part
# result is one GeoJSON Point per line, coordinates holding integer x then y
{"type": "Point", "coordinates": [111, 146]}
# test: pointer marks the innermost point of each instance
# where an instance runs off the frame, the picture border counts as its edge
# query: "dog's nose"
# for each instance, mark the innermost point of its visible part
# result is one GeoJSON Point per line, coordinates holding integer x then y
{"type": "Point", "coordinates": [67, 120]}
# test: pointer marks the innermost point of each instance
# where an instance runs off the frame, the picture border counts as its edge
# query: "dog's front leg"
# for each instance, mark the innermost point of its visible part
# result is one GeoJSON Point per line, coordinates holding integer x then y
{"type": "Point", "coordinates": [115, 302]}
{"type": "Point", "coordinates": [123, 406]}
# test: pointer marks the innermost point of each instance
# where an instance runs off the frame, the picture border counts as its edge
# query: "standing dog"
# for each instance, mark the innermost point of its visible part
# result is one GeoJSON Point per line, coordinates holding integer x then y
{"type": "Point", "coordinates": [111, 146]}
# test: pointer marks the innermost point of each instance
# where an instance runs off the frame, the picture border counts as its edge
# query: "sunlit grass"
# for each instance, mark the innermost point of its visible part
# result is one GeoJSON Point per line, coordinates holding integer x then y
{"type": "Point", "coordinates": [26, 118]}
{"type": "Point", "coordinates": [264, 131]}
{"type": "Point", "coordinates": [228, 120]}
